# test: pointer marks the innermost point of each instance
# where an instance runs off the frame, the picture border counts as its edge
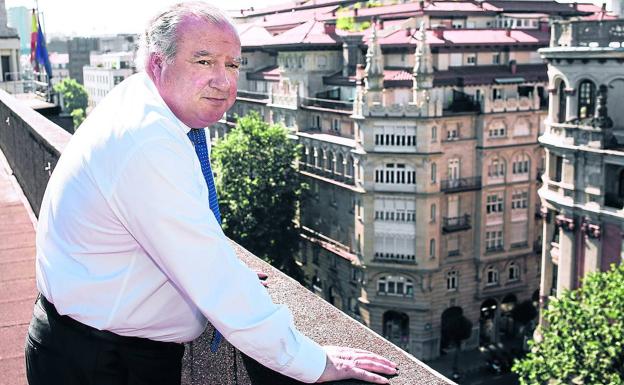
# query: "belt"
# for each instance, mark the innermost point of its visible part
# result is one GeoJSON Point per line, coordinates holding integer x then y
{"type": "Point", "coordinates": [106, 335]}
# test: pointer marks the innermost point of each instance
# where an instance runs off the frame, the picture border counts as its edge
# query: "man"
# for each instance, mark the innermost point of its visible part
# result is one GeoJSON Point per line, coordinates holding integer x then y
{"type": "Point", "coordinates": [131, 259]}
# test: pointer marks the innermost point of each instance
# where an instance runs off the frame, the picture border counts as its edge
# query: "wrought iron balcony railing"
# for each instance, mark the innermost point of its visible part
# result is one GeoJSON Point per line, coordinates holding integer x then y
{"type": "Point", "coordinates": [330, 104]}
{"type": "Point", "coordinates": [452, 224]}
{"type": "Point", "coordinates": [460, 184]}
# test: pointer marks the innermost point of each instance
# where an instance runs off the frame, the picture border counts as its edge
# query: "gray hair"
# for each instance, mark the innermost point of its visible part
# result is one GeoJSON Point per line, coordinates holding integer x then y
{"type": "Point", "coordinates": [160, 35]}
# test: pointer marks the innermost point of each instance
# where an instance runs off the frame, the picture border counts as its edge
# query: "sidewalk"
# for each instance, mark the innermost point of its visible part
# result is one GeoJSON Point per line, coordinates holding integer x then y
{"type": "Point", "coordinates": [470, 361]}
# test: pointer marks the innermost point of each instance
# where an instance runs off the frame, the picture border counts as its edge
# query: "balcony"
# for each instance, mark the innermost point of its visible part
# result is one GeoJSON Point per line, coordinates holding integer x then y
{"type": "Point", "coordinates": [589, 34]}
{"type": "Point", "coordinates": [32, 146]}
{"type": "Point", "coordinates": [252, 95]}
{"type": "Point", "coordinates": [452, 224]}
{"type": "Point", "coordinates": [328, 105]}
{"type": "Point", "coordinates": [460, 184]}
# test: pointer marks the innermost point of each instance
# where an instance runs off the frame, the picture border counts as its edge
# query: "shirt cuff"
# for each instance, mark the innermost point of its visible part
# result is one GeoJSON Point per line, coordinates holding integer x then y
{"type": "Point", "coordinates": [309, 363]}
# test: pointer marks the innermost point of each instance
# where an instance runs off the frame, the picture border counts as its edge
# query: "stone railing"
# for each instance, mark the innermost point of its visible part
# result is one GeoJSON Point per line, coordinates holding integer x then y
{"type": "Point", "coordinates": [592, 34]}
{"type": "Point", "coordinates": [510, 104]}
{"type": "Point", "coordinates": [32, 144]}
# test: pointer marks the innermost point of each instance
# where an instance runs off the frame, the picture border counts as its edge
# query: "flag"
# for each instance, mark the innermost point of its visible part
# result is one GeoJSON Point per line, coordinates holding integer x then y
{"type": "Point", "coordinates": [42, 52]}
{"type": "Point", "coordinates": [33, 37]}
{"type": "Point", "coordinates": [38, 50]}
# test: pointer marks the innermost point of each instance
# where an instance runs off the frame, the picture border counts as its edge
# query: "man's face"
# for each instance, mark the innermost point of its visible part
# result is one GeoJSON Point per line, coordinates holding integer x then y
{"type": "Point", "coordinates": [199, 85]}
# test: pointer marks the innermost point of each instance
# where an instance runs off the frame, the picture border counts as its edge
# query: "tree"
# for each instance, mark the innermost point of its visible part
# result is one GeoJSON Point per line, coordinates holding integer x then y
{"type": "Point", "coordinates": [259, 189]}
{"type": "Point", "coordinates": [78, 116]}
{"type": "Point", "coordinates": [73, 93]}
{"type": "Point", "coordinates": [455, 329]}
{"type": "Point", "coordinates": [582, 340]}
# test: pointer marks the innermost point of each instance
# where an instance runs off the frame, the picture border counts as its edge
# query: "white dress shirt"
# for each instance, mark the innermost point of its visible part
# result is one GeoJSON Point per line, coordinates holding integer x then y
{"type": "Point", "coordinates": [126, 240]}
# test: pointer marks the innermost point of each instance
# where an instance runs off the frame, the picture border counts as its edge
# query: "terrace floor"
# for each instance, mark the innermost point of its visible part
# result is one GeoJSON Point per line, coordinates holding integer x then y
{"type": "Point", "coordinates": [17, 276]}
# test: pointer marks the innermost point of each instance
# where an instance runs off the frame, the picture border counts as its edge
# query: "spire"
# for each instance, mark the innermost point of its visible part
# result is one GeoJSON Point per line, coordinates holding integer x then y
{"type": "Point", "coordinates": [423, 68]}
{"type": "Point", "coordinates": [374, 62]}
{"type": "Point", "coordinates": [422, 72]}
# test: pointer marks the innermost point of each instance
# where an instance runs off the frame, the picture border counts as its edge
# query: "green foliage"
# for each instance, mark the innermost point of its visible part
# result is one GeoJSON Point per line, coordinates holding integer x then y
{"type": "Point", "coordinates": [73, 93]}
{"type": "Point", "coordinates": [582, 341]}
{"type": "Point", "coordinates": [348, 23]}
{"type": "Point", "coordinates": [78, 115]}
{"type": "Point", "coordinates": [259, 189]}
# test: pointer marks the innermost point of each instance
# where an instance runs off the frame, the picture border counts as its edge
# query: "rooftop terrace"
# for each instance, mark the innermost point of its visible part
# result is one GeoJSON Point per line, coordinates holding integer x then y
{"type": "Point", "coordinates": [30, 146]}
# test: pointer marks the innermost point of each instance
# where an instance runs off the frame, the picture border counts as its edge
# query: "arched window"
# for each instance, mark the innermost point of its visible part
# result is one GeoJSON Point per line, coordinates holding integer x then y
{"type": "Point", "coordinates": [432, 214]}
{"type": "Point", "coordinates": [451, 280]}
{"type": "Point", "coordinates": [349, 171]}
{"type": "Point", "coordinates": [521, 164]}
{"type": "Point", "coordinates": [513, 271]}
{"type": "Point", "coordinates": [586, 99]}
{"type": "Point", "coordinates": [434, 171]}
{"type": "Point", "coordinates": [563, 102]}
{"type": "Point", "coordinates": [496, 168]}
{"type": "Point", "coordinates": [432, 248]}
{"type": "Point", "coordinates": [317, 157]}
{"type": "Point", "coordinates": [340, 164]}
{"type": "Point", "coordinates": [322, 159]}
{"type": "Point", "coordinates": [491, 275]}
{"type": "Point", "coordinates": [434, 134]}
{"type": "Point", "coordinates": [331, 162]}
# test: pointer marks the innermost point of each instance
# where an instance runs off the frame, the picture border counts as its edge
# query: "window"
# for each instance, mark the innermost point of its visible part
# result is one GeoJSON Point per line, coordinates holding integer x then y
{"type": "Point", "coordinates": [452, 133]}
{"type": "Point", "coordinates": [395, 285]}
{"type": "Point", "coordinates": [491, 276]}
{"type": "Point", "coordinates": [336, 125]}
{"type": "Point", "coordinates": [397, 210]}
{"type": "Point", "coordinates": [432, 248]}
{"type": "Point", "coordinates": [563, 100]}
{"type": "Point", "coordinates": [434, 134]}
{"type": "Point", "coordinates": [496, 58]}
{"type": "Point", "coordinates": [471, 59]}
{"type": "Point", "coordinates": [586, 99]}
{"type": "Point", "coordinates": [496, 169]}
{"type": "Point", "coordinates": [497, 93]}
{"type": "Point", "coordinates": [396, 174]}
{"type": "Point", "coordinates": [497, 130]}
{"type": "Point", "coordinates": [395, 136]}
{"type": "Point", "coordinates": [451, 280]}
{"type": "Point", "coordinates": [494, 203]}
{"type": "Point", "coordinates": [558, 169]}
{"type": "Point", "coordinates": [521, 164]}
{"type": "Point", "coordinates": [433, 173]}
{"type": "Point", "coordinates": [514, 272]}
{"type": "Point", "coordinates": [493, 240]}
{"type": "Point", "coordinates": [355, 274]}
{"type": "Point", "coordinates": [519, 199]}
{"type": "Point", "coordinates": [432, 213]}
{"type": "Point", "coordinates": [321, 61]}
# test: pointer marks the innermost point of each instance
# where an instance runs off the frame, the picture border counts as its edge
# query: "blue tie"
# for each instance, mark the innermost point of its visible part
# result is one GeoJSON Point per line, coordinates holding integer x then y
{"type": "Point", "coordinates": [198, 137]}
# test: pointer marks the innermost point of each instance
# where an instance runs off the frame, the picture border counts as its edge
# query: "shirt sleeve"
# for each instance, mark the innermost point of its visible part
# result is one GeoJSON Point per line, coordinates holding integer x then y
{"type": "Point", "coordinates": [159, 199]}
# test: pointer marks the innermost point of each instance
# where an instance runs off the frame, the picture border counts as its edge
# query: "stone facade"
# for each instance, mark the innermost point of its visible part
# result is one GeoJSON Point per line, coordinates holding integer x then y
{"type": "Point", "coordinates": [583, 191]}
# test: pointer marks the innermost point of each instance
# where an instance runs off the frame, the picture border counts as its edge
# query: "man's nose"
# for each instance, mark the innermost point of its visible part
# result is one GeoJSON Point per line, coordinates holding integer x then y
{"type": "Point", "coordinates": [220, 80]}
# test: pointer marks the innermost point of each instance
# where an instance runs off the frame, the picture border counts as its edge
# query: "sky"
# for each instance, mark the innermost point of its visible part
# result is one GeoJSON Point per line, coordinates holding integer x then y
{"type": "Point", "coordinates": [102, 17]}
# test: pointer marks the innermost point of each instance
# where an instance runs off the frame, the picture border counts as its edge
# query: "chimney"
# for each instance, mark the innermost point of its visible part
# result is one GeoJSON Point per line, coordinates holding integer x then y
{"type": "Point", "coordinates": [438, 31]}
{"type": "Point", "coordinates": [513, 67]}
{"type": "Point", "coordinates": [334, 13]}
{"type": "Point", "coordinates": [408, 31]}
{"type": "Point", "coordinates": [508, 32]}
{"type": "Point", "coordinates": [381, 24]}
{"type": "Point", "coordinates": [543, 26]}
{"type": "Point", "coordinates": [330, 27]}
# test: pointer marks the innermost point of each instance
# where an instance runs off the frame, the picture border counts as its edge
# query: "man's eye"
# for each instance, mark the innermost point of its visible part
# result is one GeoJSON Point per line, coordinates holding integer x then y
{"type": "Point", "coordinates": [234, 66]}
{"type": "Point", "coordinates": [204, 62]}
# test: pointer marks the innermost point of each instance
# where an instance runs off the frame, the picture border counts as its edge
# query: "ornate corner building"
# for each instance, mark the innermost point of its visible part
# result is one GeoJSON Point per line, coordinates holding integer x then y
{"type": "Point", "coordinates": [583, 191]}
{"type": "Point", "coordinates": [418, 124]}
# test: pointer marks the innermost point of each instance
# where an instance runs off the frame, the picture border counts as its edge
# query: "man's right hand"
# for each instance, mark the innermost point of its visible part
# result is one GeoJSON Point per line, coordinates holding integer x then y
{"type": "Point", "coordinates": [348, 363]}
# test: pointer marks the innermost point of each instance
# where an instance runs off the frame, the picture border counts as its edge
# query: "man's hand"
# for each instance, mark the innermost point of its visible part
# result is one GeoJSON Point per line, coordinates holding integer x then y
{"type": "Point", "coordinates": [344, 363]}
{"type": "Point", "coordinates": [262, 277]}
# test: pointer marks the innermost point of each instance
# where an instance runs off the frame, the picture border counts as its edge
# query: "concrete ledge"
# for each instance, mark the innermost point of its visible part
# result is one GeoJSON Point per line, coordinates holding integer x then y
{"type": "Point", "coordinates": [32, 145]}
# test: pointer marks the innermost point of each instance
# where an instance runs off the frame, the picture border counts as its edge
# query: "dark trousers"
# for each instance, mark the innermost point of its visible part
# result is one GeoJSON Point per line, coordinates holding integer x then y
{"type": "Point", "coordinates": [62, 351]}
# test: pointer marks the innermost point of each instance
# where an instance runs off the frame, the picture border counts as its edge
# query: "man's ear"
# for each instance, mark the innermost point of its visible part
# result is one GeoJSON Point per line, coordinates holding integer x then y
{"type": "Point", "coordinates": [154, 66]}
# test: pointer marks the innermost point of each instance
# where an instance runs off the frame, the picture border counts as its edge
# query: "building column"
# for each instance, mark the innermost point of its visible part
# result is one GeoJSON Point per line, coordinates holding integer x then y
{"type": "Point", "coordinates": [547, 265]}
{"type": "Point", "coordinates": [567, 261]}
